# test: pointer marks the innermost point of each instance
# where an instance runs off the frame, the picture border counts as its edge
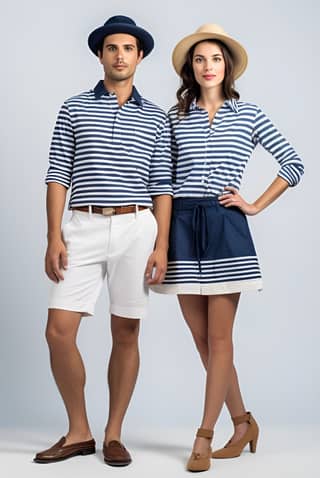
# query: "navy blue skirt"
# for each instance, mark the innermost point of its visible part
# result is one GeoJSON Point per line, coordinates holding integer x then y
{"type": "Point", "coordinates": [210, 250]}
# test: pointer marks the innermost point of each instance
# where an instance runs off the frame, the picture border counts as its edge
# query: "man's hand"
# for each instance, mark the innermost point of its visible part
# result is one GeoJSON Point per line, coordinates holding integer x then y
{"type": "Point", "coordinates": [158, 261]}
{"type": "Point", "coordinates": [56, 259]}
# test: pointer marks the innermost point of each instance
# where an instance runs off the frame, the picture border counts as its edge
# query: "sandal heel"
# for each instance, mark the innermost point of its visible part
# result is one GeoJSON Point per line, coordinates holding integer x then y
{"type": "Point", "coordinates": [253, 444]}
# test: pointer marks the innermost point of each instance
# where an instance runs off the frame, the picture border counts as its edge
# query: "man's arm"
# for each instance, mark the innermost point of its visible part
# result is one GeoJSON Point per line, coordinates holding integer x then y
{"type": "Point", "coordinates": [58, 179]}
{"type": "Point", "coordinates": [158, 259]}
{"type": "Point", "coordinates": [56, 255]}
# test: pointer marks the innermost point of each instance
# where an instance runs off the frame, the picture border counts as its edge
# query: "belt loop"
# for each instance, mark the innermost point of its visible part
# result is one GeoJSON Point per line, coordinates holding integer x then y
{"type": "Point", "coordinates": [137, 210]}
{"type": "Point", "coordinates": [90, 211]}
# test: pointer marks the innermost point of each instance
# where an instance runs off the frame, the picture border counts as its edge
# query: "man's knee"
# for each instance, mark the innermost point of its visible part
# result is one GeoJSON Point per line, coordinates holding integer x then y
{"type": "Point", "coordinates": [124, 331]}
{"type": "Point", "coordinates": [62, 326]}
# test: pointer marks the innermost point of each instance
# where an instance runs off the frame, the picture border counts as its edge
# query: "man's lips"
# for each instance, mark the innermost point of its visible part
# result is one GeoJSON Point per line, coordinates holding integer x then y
{"type": "Point", "coordinates": [119, 66]}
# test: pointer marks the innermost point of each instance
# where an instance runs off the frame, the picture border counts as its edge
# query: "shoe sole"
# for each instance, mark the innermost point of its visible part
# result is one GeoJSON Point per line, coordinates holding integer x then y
{"type": "Point", "coordinates": [117, 463]}
{"type": "Point", "coordinates": [55, 460]}
{"type": "Point", "coordinates": [197, 471]}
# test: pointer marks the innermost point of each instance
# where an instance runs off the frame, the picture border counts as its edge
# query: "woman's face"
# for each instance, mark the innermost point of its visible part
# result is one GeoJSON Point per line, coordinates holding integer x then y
{"type": "Point", "coordinates": [208, 65]}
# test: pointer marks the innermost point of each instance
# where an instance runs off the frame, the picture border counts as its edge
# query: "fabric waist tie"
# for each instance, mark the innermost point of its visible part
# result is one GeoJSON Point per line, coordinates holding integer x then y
{"type": "Point", "coordinates": [200, 232]}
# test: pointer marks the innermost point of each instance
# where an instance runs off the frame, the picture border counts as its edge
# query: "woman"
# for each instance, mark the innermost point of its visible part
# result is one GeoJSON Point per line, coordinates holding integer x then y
{"type": "Point", "coordinates": [211, 257]}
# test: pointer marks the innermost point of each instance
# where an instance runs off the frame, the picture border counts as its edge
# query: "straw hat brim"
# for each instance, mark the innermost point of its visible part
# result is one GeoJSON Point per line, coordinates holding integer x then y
{"type": "Point", "coordinates": [238, 52]}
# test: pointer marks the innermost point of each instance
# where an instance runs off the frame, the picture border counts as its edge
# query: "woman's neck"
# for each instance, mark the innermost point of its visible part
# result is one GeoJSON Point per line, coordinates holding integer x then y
{"type": "Point", "coordinates": [211, 98]}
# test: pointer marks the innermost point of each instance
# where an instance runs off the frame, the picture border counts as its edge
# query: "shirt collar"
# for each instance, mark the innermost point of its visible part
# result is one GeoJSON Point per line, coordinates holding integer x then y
{"type": "Point", "coordinates": [232, 104]}
{"type": "Point", "coordinates": [100, 90]}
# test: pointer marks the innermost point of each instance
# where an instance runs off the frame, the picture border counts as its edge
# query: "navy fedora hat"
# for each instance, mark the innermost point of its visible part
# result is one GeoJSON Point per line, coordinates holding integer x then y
{"type": "Point", "coordinates": [120, 24]}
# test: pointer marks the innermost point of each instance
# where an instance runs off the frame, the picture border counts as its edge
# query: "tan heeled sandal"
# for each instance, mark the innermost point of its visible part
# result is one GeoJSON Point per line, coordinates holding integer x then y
{"type": "Point", "coordinates": [201, 461]}
{"type": "Point", "coordinates": [251, 436]}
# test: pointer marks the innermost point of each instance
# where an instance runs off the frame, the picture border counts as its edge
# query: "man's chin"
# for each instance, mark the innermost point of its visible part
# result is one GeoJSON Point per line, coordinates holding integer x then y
{"type": "Point", "coordinates": [119, 76]}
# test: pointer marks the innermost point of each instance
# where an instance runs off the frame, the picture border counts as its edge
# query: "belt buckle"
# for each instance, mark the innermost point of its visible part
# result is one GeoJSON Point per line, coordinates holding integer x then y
{"type": "Point", "coordinates": [108, 211]}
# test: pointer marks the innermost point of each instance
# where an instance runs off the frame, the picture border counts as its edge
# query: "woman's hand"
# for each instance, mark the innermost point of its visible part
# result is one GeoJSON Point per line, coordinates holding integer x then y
{"type": "Point", "coordinates": [235, 200]}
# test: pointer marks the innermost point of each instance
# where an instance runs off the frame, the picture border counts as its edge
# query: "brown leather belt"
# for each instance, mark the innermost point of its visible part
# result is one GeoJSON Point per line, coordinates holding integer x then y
{"type": "Point", "coordinates": [110, 211]}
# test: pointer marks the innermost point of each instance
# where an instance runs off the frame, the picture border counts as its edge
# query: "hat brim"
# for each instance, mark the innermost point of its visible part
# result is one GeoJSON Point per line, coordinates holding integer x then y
{"type": "Point", "coordinates": [97, 36]}
{"type": "Point", "coordinates": [238, 52]}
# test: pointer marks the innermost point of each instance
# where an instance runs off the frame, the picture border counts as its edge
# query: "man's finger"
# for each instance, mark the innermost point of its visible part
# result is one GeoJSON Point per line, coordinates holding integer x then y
{"type": "Point", "coordinates": [149, 267]}
{"type": "Point", "coordinates": [56, 269]}
{"type": "Point", "coordinates": [64, 260]}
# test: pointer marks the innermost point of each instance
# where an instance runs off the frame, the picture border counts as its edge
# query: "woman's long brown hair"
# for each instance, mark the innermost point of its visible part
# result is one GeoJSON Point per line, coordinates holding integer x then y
{"type": "Point", "coordinates": [190, 89]}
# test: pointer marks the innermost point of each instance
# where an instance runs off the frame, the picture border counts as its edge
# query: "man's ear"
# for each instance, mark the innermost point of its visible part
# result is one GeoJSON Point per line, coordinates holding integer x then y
{"type": "Point", "coordinates": [140, 56]}
{"type": "Point", "coordinates": [100, 56]}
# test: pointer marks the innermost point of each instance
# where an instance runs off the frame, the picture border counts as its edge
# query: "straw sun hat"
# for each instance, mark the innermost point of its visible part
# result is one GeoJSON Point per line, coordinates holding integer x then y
{"type": "Point", "coordinates": [210, 31]}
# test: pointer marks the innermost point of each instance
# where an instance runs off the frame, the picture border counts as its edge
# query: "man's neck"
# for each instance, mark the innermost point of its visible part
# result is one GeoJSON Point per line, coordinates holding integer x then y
{"type": "Point", "coordinates": [122, 89]}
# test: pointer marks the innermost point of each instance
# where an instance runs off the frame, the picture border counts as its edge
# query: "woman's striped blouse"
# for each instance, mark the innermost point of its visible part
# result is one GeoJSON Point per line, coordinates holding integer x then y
{"type": "Point", "coordinates": [207, 158]}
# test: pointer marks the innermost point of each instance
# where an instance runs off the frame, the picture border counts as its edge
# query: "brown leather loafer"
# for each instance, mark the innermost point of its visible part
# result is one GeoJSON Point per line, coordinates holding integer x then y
{"type": "Point", "coordinates": [116, 454]}
{"type": "Point", "coordinates": [58, 452]}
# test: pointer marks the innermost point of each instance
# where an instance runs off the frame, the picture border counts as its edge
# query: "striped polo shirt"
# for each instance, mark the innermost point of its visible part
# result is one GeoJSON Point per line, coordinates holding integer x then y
{"type": "Point", "coordinates": [111, 155]}
{"type": "Point", "coordinates": [207, 158]}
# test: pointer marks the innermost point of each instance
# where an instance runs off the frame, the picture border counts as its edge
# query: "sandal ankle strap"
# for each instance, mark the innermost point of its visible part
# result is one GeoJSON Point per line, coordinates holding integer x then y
{"type": "Point", "coordinates": [204, 433]}
{"type": "Point", "coordinates": [242, 418]}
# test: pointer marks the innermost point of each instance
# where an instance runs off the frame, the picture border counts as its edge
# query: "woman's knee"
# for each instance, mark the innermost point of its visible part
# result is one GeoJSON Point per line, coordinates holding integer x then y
{"type": "Point", "coordinates": [201, 343]}
{"type": "Point", "coordinates": [220, 343]}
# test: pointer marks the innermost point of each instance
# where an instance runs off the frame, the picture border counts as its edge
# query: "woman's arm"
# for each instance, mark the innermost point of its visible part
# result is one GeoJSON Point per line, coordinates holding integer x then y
{"type": "Point", "coordinates": [291, 169]}
{"type": "Point", "coordinates": [276, 188]}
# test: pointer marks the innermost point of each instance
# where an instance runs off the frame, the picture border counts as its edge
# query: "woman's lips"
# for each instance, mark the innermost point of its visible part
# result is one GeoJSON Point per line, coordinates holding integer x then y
{"type": "Point", "coordinates": [209, 77]}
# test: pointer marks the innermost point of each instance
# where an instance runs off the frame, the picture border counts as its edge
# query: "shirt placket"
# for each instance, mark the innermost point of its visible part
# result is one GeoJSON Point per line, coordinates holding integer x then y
{"type": "Point", "coordinates": [115, 115]}
{"type": "Point", "coordinates": [209, 144]}
{"type": "Point", "coordinates": [205, 172]}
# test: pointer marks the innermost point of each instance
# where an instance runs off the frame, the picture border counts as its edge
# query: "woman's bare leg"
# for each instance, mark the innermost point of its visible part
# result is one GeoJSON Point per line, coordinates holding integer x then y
{"type": "Point", "coordinates": [210, 320]}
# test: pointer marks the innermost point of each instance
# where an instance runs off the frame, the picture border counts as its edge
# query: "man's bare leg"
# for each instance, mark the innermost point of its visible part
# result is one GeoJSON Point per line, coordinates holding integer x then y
{"type": "Point", "coordinates": [122, 372]}
{"type": "Point", "coordinates": [68, 370]}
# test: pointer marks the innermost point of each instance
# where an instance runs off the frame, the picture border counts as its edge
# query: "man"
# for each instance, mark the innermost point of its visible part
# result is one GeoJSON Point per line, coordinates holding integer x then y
{"type": "Point", "coordinates": [112, 145]}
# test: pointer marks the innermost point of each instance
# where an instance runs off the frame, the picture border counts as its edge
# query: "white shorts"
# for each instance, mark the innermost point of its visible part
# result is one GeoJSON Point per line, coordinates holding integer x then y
{"type": "Point", "coordinates": [113, 247]}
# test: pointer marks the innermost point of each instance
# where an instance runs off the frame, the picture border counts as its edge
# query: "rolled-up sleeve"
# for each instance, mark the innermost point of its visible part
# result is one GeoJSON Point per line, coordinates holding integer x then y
{"type": "Point", "coordinates": [62, 148]}
{"type": "Point", "coordinates": [265, 133]}
{"type": "Point", "coordinates": [160, 175]}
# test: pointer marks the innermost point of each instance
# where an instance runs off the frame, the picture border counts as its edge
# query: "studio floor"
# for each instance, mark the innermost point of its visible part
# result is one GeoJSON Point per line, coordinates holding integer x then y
{"type": "Point", "coordinates": [281, 453]}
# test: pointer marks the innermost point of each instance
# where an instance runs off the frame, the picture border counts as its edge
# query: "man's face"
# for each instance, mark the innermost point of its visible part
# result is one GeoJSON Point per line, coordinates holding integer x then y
{"type": "Point", "coordinates": [120, 56]}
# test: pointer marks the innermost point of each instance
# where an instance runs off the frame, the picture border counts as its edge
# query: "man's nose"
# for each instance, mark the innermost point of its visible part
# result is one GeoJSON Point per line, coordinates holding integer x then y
{"type": "Point", "coordinates": [119, 54]}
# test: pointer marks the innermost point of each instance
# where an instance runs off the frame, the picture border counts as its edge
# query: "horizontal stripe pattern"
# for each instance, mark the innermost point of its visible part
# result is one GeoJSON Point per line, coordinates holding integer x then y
{"type": "Point", "coordinates": [110, 155]}
{"type": "Point", "coordinates": [207, 158]}
{"type": "Point", "coordinates": [230, 287]}
{"type": "Point", "coordinates": [213, 271]}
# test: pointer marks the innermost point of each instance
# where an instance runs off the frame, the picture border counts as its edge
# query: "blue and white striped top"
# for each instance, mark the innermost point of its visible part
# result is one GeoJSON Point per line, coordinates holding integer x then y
{"type": "Point", "coordinates": [111, 155]}
{"type": "Point", "coordinates": [207, 158]}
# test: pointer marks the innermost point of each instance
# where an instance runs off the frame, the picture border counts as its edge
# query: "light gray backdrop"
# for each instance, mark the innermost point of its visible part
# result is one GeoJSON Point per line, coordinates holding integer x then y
{"type": "Point", "coordinates": [45, 59]}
